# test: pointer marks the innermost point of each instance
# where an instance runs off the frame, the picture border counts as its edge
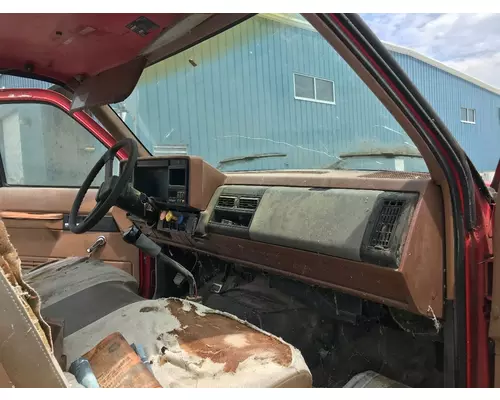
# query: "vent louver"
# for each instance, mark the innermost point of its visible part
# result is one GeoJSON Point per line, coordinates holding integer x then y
{"type": "Point", "coordinates": [226, 201]}
{"type": "Point", "coordinates": [248, 203]}
{"type": "Point", "coordinates": [386, 222]}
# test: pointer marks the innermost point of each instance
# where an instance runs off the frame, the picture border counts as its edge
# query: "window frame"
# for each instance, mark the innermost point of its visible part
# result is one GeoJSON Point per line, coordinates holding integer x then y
{"type": "Point", "coordinates": [315, 100]}
{"type": "Point", "coordinates": [61, 102]}
{"type": "Point", "coordinates": [467, 110]}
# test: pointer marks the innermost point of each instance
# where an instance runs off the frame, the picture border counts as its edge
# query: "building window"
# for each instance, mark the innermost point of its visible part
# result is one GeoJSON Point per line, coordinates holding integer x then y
{"type": "Point", "coordinates": [468, 115]}
{"type": "Point", "coordinates": [313, 89]}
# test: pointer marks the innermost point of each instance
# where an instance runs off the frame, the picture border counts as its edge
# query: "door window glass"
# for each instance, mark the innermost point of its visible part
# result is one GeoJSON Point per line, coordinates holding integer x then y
{"type": "Point", "coordinates": [41, 145]}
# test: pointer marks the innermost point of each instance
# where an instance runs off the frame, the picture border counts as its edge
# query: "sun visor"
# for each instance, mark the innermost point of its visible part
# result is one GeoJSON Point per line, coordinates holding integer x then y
{"type": "Point", "coordinates": [111, 86]}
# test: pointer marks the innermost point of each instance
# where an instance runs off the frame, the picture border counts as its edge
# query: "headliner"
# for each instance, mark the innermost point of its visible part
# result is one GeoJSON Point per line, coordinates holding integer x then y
{"type": "Point", "coordinates": [62, 46]}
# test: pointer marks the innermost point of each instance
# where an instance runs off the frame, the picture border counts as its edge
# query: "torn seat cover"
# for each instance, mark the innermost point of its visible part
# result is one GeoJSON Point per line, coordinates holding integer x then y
{"type": "Point", "coordinates": [190, 345]}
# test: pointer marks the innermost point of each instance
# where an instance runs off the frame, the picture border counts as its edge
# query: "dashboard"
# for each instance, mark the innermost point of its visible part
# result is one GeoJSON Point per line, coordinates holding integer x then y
{"type": "Point", "coordinates": [377, 235]}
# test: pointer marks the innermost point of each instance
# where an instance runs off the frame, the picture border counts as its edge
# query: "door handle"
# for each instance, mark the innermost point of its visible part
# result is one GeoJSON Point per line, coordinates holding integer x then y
{"type": "Point", "coordinates": [100, 242]}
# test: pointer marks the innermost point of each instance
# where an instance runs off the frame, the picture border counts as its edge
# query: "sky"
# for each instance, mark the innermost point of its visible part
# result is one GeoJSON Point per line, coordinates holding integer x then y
{"type": "Point", "coordinates": [469, 43]}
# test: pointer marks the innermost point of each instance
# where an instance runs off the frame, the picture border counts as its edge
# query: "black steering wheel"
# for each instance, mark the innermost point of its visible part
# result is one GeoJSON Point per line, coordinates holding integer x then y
{"type": "Point", "coordinates": [110, 189]}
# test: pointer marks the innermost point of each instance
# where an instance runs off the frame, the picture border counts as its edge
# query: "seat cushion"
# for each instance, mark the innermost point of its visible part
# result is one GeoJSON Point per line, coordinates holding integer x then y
{"type": "Point", "coordinates": [59, 280]}
{"type": "Point", "coordinates": [80, 291]}
{"type": "Point", "coordinates": [189, 345]}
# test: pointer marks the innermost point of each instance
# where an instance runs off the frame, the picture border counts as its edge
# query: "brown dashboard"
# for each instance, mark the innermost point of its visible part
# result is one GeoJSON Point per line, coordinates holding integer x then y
{"type": "Point", "coordinates": [377, 235]}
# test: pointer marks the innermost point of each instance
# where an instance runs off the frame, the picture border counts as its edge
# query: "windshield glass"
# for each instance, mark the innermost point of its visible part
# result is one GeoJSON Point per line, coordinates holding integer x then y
{"type": "Point", "coordinates": [269, 93]}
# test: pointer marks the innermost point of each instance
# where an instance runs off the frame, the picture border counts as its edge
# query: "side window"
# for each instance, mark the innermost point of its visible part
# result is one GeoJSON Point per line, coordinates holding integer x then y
{"type": "Point", "coordinates": [41, 145]}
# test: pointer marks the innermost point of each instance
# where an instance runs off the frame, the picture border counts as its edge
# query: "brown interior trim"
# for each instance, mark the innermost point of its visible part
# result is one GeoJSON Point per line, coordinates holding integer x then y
{"type": "Point", "coordinates": [217, 23]}
{"type": "Point", "coordinates": [30, 216]}
{"type": "Point", "coordinates": [48, 200]}
{"type": "Point", "coordinates": [203, 179]}
{"type": "Point", "coordinates": [435, 170]}
{"type": "Point", "coordinates": [316, 269]}
{"type": "Point", "coordinates": [5, 381]}
{"type": "Point", "coordinates": [121, 219]}
{"type": "Point", "coordinates": [40, 240]}
{"type": "Point", "coordinates": [50, 224]}
{"type": "Point", "coordinates": [329, 179]}
{"type": "Point", "coordinates": [116, 127]}
{"type": "Point", "coordinates": [416, 286]}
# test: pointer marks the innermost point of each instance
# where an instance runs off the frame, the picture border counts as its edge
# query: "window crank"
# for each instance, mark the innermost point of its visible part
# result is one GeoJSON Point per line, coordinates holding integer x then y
{"type": "Point", "coordinates": [100, 241]}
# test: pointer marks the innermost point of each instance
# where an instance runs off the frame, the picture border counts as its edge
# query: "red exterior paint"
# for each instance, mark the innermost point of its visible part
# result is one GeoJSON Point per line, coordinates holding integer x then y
{"type": "Point", "coordinates": [61, 46]}
{"type": "Point", "coordinates": [479, 251]}
{"type": "Point", "coordinates": [495, 183]}
{"type": "Point", "coordinates": [62, 102]}
{"type": "Point", "coordinates": [146, 270]}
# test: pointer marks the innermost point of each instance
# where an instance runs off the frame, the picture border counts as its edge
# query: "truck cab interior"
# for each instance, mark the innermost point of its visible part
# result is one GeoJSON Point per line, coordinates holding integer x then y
{"type": "Point", "coordinates": [324, 277]}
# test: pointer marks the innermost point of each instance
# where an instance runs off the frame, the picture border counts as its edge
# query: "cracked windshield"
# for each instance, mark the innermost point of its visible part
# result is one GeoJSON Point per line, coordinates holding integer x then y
{"type": "Point", "coordinates": [267, 94]}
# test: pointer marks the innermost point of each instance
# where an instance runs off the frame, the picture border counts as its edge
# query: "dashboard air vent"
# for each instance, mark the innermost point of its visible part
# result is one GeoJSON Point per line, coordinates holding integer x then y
{"type": "Point", "coordinates": [226, 201]}
{"type": "Point", "coordinates": [248, 203]}
{"type": "Point", "coordinates": [386, 222]}
{"type": "Point", "coordinates": [396, 175]}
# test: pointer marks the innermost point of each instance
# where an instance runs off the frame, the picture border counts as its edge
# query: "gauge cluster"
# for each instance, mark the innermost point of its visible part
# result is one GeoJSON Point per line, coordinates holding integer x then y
{"type": "Point", "coordinates": [164, 180]}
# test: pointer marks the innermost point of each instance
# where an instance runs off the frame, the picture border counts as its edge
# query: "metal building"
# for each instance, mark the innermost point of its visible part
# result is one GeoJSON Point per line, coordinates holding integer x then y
{"type": "Point", "coordinates": [272, 93]}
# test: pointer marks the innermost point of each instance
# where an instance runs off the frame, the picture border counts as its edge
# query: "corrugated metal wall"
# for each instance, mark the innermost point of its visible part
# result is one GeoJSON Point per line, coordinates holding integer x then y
{"type": "Point", "coordinates": [239, 100]}
{"type": "Point", "coordinates": [447, 94]}
{"type": "Point", "coordinates": [233, 96]}
{"type": "Point", "coordinates": [12, 82]}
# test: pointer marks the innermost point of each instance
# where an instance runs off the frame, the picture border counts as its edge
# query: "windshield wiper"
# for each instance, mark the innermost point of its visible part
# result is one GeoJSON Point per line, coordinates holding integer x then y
{"type": "Point", "coordinates": [251, 157]}
{"type": "Point", "coordinates": [373, 154]}
{"type": "Point", "coordinates": [382, 153]}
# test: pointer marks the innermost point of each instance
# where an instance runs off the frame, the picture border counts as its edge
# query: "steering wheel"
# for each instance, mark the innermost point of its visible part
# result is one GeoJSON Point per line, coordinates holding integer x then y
{"type": "Point", "coordinates": [110, 189]}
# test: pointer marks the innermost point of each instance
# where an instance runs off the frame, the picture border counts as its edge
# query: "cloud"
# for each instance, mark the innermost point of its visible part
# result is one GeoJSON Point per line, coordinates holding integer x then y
{"type": "Point", "coordinates": [467, 42]}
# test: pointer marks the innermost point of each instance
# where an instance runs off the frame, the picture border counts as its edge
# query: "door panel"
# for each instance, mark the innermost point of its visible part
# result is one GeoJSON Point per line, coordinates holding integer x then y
{"type": "Point", "coordinates": [14, 219]}
{"type": "Point", "coordinates": [46, 153]}
{"type": "Point", "coordinates": [34, 219]}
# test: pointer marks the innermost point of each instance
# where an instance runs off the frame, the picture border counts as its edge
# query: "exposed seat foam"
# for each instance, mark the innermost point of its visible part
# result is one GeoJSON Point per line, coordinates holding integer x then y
{"type": "Point", "coordinates": [190, 345]}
